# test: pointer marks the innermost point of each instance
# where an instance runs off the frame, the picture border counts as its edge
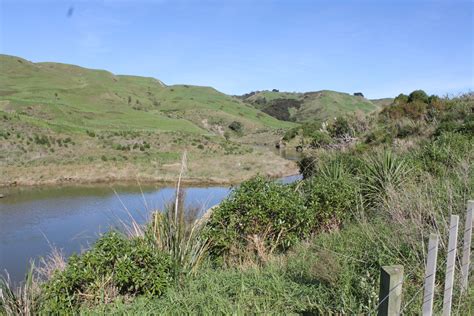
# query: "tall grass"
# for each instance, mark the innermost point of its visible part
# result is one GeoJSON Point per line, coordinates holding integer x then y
{"type": "Point", "coordinates": [178, 231]}
{"type": "Point", "coordinates": [22, 299]}
{"type": "Point", "coordinates": [383, 174]}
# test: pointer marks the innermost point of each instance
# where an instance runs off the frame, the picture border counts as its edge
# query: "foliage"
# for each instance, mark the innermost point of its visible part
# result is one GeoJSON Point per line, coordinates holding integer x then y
{"type": "Point", "coordinates": [320, 139]}
{"type": "Point", "coordinates": [21, 300]}
{"type": "Point", "coordinates": [236, 127]}
{"type": "Point", "coordinates": [290, 134]}
{"type": "Point", "coordinates": [330, 195]}
{"type": "Point", "coordinates": [445, 152]}
{"type": "Point", "coordinates": [401, 99]}
{"type": "Point", "coordinates": [114, 264]}
{"type": "Point", "coordinates": [307, 166]}
{"type": "Point", "coordinates": [179, 233]}
{"type": "Point", "coordinates": [271, 211]}
{"type": "Point", "coordinates": [340, 127]}
{"type": "Point", "coordinates": [418, 95]}
{"type": "Point", "coordinates": [383, 174]}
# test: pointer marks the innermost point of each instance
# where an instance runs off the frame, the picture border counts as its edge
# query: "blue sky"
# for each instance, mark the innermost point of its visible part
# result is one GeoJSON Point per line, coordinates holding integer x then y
{"type": "Point", "coordinates": [380, 48]}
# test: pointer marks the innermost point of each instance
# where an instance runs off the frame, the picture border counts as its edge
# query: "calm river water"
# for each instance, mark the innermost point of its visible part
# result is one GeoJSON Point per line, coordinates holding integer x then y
{"type": "Point", "coordinates": [32, 220]}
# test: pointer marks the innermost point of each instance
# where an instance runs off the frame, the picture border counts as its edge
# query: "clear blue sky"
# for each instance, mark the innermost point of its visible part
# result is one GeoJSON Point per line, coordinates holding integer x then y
{"type": "Point", "coordinates": [379, 47]}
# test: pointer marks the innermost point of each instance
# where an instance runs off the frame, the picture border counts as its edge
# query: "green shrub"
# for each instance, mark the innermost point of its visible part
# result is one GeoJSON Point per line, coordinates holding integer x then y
{"type": "Point", "coordinates": [445, 152]}
{"type": "Point", "coordinates": [236, 127]}
{"type": "Point", "coordinates": [401, 99]}
{"type": "Point", "coordinates": [383, 174]}
{"type": "Point", "coordinates": [290, 134]}
{"type": "Point", "coordinates": [340, 127]}
{"type": "Point", "coordinates": [320, 139]}
{"type": "Point", "coordinates": [330, 195]}
{"type": "Point", "coordinates": [307, 166]}
{"type": "Point", "coordinates": [406, 128]}
{"type": "Point", "coordinates": [418, 95]}
{"type": "Point", "coordinates": [130, 266]}
{"type": "Point", "coordinates": [270, 210]}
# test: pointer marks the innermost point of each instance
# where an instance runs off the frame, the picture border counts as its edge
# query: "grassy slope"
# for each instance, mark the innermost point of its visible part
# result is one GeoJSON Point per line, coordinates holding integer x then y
{"type": "Point", "coordinates": [316, 106]}
{"type": "Point", "coordinates": [78, 98]}
{"type": "Point", "coordinates": [61, 121]}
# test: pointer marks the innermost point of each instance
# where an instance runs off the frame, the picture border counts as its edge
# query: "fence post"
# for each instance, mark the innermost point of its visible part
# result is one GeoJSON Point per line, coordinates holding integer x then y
{"type": "Point", "coordinates": [450, 265]}
{"type": "Point", "coordinates": [466, 248]}
{"type": "Point", "coordinates": [430, 275]}
{"type": "Point", "coordinates": [390, 295]}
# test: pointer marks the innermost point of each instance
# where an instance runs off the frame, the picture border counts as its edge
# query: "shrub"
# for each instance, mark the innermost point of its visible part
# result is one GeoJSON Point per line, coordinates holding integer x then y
{"type": "Point", "coordinates": [445, 152]}
{"type": "Point", "coordinates": [401, 99]}
{"type": "Point", "coordinates": [114, 264]}
{"type": "Point", "coordinates": [418, 95]}
{"type": "Point", "coordinates": [90, 133]}
{"type": "Point", "coordinates": [320, 139]}
{"type": "Point", "coordinates": [271, 211]}
{"type": "Point", "coordinates": [340, 127]}
{"type": "Point", "coordinates": [383, 174]}
{"type": "Point", "coordinates": [236, 127]}
{"type": "Point", "coordinates": [330, 196]}
{"type": "Point", "coordinates": [406, 128]}
{"type": "Point", "coordinates": [290, 134]}
{"type": "Point", "coordinates": [307, 166]}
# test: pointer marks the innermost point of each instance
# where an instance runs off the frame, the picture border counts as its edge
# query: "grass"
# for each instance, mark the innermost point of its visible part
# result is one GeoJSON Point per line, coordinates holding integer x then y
{"type": "Point", "coordinates": [369, 201]}
{"type": "Point", "coordinates": [123, 126]}
{"type": "Point", "coordinates": [83, 98]}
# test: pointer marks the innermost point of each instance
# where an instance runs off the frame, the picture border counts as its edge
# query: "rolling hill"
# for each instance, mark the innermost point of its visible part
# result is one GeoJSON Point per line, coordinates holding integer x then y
{"type": "Point", "coordinates": [309, 106]}
{"type": "Point", "coordinates": [76, 98]}
{"type": "Point", "coordinates": [62, 122]}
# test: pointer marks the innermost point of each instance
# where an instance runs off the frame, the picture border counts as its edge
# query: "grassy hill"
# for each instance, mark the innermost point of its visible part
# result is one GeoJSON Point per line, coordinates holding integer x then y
{"type": "Point", "coordinates": [310, 106]}
{"type": "Point", "coordinates": [62, 121]}
{"type": "Point", "coordinates": [78, 98]}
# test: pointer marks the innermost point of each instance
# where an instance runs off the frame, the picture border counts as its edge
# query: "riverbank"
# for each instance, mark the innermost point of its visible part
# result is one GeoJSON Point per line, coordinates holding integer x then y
{"type": "Point", "coordinates": [218, 170]}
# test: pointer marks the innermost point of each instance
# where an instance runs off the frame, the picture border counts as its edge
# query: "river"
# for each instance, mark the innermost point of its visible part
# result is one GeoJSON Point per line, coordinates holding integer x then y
{"type": "Point", "coordinates": [32, 220]}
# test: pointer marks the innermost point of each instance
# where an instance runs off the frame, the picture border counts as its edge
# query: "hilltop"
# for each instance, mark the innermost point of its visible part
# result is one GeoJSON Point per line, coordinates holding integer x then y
{"type": "Point", "coordinates": [62, 122]}
{"type": "Point", "coordinates": [309, 106]}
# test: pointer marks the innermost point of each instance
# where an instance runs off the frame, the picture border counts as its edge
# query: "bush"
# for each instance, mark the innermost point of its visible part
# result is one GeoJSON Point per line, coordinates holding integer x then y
{"type": "Point", "coordinates": [307, 166]}
{"type": "Point", "coordinates": [330, 196]}
{"type": "Point", "coordinates": [418, 95]}
{"type": "Point", "coordinates": [258, 207]}
{"type": "Point", "coordinates": [236, 127]}
{"type": "Point", "coordinates": [340, 127]}
{"type": "Point", "coordinates": [383, 174]}
{"type": "Point", "coordinates": [445, 152]}
{"type": "Point", "coordinates": [114, 264]}
{"type": "Point", "coordinates": [320, 139]}
{"type": "Point", "coordinates": [290, 134]}
{"type": "Point", "coordinates": [401, 99]}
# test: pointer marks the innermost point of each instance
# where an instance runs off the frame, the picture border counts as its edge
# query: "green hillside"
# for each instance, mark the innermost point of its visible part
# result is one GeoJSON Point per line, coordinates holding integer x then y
{"type": "Point", "coordinates": [73, 97]}
{"type": "Point", "coordinates": [310, 106]}
{"type": "Point", "coordinates": [62, 122]}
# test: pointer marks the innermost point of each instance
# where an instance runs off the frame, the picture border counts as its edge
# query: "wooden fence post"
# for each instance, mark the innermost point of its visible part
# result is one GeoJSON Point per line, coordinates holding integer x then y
{"type": "Point", "coordinates": [390, 295]}
{"type": "Point", "coordinates": [450, 265]}
{"type": "Point", "coordinates": [466, 248]}
{"type": "Point", "coordinates": [430, 275]}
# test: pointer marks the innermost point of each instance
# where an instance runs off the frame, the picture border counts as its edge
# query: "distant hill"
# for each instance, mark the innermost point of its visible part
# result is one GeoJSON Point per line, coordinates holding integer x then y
{"type": "Point", "coordinates": [382, 102]}
{"type": "Point", "coordinates": [73, 97]}
{"type": "Point", "coordinates": [309, 106]}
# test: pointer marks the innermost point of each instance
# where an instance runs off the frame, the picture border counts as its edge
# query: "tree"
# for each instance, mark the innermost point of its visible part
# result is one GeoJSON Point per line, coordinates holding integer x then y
{"type": "Point", "coordinates": [401, 99]}
{"type": "Point", "coordinates": [418, 95]}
